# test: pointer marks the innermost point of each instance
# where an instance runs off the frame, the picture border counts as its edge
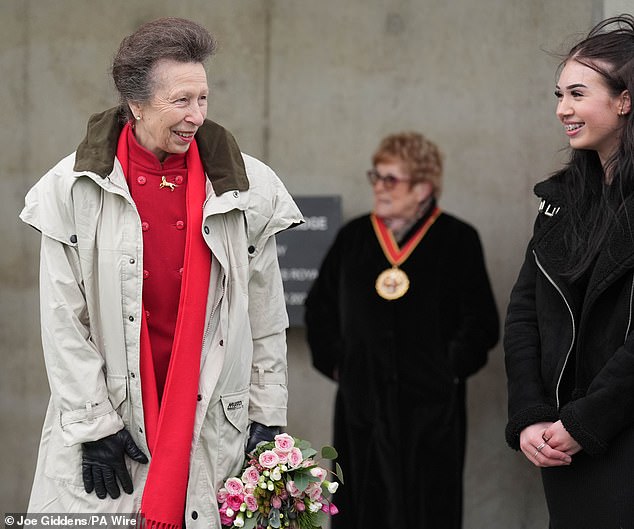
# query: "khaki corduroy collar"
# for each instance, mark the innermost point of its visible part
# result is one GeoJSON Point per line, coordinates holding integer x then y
{"type": "Point", "coordinates": [219, 152]}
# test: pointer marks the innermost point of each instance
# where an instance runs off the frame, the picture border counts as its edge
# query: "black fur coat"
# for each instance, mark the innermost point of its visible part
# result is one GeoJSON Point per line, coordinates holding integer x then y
{"type": "Point", "coordinates": [401, 367]}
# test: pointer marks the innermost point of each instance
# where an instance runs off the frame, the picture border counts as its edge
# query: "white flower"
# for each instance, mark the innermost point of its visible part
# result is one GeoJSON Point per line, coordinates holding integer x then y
{"type": "Point", "coordinates": [314, 506]}
{"type": "Point", "coordinates": [239, 521]}
{"type": "Point", "coordinates": [332, 486]}
{"type": "Point", "coordinates": [276, 474]}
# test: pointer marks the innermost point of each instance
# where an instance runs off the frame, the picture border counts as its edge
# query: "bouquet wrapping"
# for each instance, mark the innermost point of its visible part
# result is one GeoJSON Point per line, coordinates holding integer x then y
{"type": "Point", "coordinates": [281, 485]}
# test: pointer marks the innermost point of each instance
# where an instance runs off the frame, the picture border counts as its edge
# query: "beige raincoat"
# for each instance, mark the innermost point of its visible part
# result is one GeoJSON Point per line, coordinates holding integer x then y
{"type": "Point", "coordinates": [90, 287]}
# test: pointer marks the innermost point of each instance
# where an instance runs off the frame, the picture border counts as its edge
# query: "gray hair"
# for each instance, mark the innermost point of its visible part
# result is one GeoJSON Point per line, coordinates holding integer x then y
{"type": "Point", "coordinates": [177, 39]}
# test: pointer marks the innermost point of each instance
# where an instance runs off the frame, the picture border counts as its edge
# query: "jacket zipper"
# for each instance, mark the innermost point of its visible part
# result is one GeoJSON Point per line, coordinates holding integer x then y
{"type": "Point", "coordinates": [212, 325]}
{"type": "Point", "coordinates": [572, 319]}
{"type": "Point", "coordinates": [629, 319]}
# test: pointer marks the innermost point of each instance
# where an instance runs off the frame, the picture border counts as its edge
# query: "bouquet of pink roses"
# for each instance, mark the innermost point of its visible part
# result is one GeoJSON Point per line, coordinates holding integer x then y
{"type": "Point", "coordinates": [281, 485]}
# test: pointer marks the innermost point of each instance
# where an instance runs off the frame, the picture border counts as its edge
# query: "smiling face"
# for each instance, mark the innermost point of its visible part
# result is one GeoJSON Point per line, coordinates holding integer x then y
{"type": "Point", "coordinates": [402, 201]}
{"type": "Point", "coordinates": [590, 113]}
{"type": "Point", "coordinates": [176, 110]}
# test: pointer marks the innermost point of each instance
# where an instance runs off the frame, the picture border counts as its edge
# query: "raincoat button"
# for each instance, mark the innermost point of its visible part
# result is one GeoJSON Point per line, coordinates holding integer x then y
{"type": "Point", "coordinates": [199, 397]}
{"type": "Point", "coordinates": [145, 226]}
{"type": "Point", "coordinates": [141, 180]}
{"type": "Point", "coordinates": [251, 249]}
{"type": "Point", "coordinates": [180, 224]}
{"type": "Point", "coordinates": [178, 180]}
{"type": "Point", "coordinates": [131, 318]}
{"type": "Point", "coordinates": [73, 239]}
{"type": "Point", "coordinates": [222, 342]}
{"type": "Point", "coordinates": [132, 261]}
{"type": "Point", "coordinates": [132, 375]}
{"type": "Point", "coordinates": [146, 274]}
{"type": "Point", "coordinates": [194, 515]}
{"type": "Point", "coordinates": [236, 194]}
{"type": "Point", "coordinates": [207, 230]}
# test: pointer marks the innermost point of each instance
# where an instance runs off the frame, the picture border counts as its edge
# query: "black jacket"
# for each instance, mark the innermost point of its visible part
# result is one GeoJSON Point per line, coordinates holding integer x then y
{"type": "Point", "coordinates": [569, 348]}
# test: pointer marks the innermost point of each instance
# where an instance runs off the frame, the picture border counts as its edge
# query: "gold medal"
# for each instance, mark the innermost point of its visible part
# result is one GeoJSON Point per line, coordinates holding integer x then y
{"type": "Point", "coordinates": [392, 283]}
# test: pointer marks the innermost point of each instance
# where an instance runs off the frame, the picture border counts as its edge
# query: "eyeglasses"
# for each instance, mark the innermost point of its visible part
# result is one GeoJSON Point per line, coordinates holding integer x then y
{"type": "Point", "coordinates": [389, 180]}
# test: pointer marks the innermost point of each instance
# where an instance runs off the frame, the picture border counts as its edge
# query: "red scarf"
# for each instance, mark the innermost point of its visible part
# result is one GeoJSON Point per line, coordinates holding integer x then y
{"type": "Point", "coordinates": [169, 429]}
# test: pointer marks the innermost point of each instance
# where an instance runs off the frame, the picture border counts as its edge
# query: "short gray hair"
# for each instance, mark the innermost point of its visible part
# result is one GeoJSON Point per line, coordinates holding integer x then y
{"type": "Point", "coordinates": [177, 39]}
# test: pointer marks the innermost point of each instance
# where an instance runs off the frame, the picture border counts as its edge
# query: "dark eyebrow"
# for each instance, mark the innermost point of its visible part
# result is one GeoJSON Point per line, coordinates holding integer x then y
{"type": "Point", "coordinates": [572, 86]}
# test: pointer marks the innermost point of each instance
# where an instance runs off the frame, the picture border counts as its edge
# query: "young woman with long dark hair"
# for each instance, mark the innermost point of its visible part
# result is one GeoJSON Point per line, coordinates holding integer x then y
{"type": "Point", "coordinates": [568, 340]}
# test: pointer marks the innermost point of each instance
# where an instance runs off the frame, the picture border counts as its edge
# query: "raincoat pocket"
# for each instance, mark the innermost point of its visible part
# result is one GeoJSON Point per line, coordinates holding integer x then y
{"type": "Point", "coordinates": [236, 409]}
{"type": "Point", "coordinates": [63, 463]}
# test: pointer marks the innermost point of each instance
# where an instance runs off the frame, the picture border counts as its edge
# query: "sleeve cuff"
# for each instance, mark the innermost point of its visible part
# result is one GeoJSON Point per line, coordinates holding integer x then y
{"type": "Point", "coordinates": [535, 414]}
{"type": "Point", "coordinates": [589, 442]}
{"type": "Point", "coordinates": [93, 422]}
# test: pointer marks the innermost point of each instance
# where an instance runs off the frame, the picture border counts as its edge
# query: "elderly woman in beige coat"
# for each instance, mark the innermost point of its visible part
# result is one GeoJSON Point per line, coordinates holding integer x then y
{"type": "Point", "coordinates": [163, 316]}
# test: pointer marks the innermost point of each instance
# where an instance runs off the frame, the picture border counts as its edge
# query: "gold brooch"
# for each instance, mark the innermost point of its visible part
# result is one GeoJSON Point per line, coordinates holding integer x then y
{"type": "Point", "coordinates": [165, 183]}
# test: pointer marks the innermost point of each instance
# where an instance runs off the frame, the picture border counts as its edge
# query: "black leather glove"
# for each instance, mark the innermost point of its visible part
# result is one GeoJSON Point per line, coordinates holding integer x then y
{"type": "Point", "coordinates": [103, 462]}
{"type": "Point", "coordinates": [259, 433]}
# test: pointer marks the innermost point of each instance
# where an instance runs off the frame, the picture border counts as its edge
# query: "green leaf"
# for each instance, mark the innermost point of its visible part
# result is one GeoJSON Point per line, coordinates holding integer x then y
{"type": "Point", "coordinates": [305, 473]}
{"type": "Point", "coordinates": [302, 444]}
{"type": "Point", "coordinates": [301, 481]}
{"type": "Point", "coordinates": [249, 523]}
{"type": "Point", "coordinates": [274, 518]}
{"type": "Point", "coordinates": [339, 473]}
{"type": "Point", "coordinates": [329, 452]}
{"type": "Point", "coordinates": [308, 452]}
{"type": "Point", "coordinates": [320, 519]}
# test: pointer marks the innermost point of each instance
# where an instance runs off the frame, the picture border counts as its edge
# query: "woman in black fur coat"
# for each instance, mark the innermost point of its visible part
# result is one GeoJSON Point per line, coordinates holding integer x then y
{"type": "Point", "coordinates": [568, 340]}
{"type": "Point", "coordinates": [400, 315]}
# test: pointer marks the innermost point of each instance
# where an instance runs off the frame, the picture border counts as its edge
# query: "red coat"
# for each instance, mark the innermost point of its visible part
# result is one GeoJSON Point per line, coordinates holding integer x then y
{"type": "Point", "coordinates": [159, 192]}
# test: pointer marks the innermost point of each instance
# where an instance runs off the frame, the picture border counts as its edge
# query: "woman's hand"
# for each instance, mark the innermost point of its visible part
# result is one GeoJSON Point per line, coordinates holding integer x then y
{"type": "Point", "coordinates": [535, 442]}
{"type": "Point", "coordinates": [559, 439]}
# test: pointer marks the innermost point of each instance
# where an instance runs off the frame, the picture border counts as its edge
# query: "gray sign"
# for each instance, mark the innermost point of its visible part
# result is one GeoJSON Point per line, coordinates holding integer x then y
{"type": "Point", "coordinates": [300, 250]}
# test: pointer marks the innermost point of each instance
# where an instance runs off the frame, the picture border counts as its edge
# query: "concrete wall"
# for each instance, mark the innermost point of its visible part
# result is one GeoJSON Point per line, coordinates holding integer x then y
{"type": "Point", "coordinates": [310, 87]}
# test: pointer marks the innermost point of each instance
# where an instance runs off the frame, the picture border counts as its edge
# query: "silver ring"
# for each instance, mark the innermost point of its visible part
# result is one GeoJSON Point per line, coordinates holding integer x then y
{"type": "Point", "coordinates": [540, 447]}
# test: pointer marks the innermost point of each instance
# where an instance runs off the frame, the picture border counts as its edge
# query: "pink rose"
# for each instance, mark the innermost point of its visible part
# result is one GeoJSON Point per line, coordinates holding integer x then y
{"type": "Point", "coordinates": [283, 456]}
{"type": "Point", "coordinates": [292, 489]}
{"type": "Point", "coordinates": [250, 487]}
{"type": "Point", "coordinates": [284, 442]}
{"type": "Point", "coordinates": [251, 502]}
{"type": "Point", "coordinates": [234, 502]}
{"type": "Point", "coordinates": [276, 502]}
{"type": "Point", "coordinates": [333, 509]}
{"type": "Point", "coordinates": [295, 457]}
{"type": "Point", "coordinates": [222, 495]}
{"type": "Point", "coordinates": [299, 506]}
{"type": "Point", "coordinates": [234, 486]}
{"type": "Point", "coordinates": [250, 475]}
{"type": "Point", "coordinates": [269, 459]}
{"type": "Point", "coordinates": [319, 473]}
{"type": "Point", "coordinates": [313, 491]}
{"type": "Point", "coordinates": [226, 520]}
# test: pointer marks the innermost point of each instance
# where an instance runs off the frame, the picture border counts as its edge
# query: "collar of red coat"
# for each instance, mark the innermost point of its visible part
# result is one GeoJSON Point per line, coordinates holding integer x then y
{"type": "Point", "coordinates": [219, 152]}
